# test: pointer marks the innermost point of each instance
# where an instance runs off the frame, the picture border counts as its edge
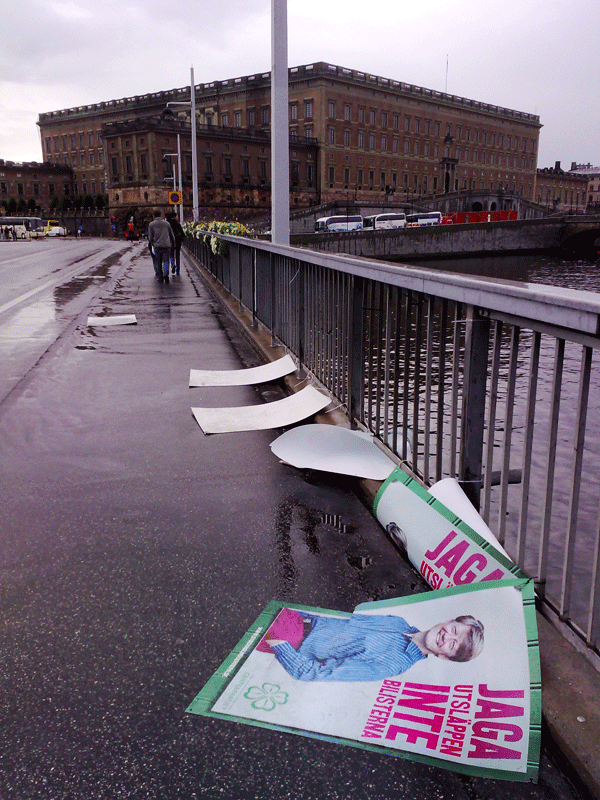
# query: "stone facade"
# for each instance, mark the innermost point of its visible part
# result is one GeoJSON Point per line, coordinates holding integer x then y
{"type": "Point", "coordinates": [34, 184]}
{"type": "Point", "coordinates": [592, 176]}
{"type": "Point", "coordinates": [561, 191]}
{"type": "Point", "coordinates": [376, 138]}
{"type": "Point", "coordinates": [234, 167]}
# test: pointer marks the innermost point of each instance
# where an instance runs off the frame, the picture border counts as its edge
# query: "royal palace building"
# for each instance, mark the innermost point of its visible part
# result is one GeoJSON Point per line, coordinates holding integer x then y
{"type": "Point", "coordinates": [32, 186]}
{"type": "Point", "coordinates": [353, 135]}
{"type": "Point", "coordinates": [560, 191]}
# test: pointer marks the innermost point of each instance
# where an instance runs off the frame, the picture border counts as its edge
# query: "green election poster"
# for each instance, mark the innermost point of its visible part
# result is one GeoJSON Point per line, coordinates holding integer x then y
{"type": "Point", "coordinates": [442, 677]}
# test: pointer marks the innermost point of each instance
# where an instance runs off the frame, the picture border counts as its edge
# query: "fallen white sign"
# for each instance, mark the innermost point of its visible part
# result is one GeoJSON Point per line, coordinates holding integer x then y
{"type": "Point", "coordinates": [243, 377]}
{"type": "Point", "coordinates": [333, 449]}
{"type": "Point", "coordinates": [299, 406]}
{"type": "Point", "coordinates": [122, 319]}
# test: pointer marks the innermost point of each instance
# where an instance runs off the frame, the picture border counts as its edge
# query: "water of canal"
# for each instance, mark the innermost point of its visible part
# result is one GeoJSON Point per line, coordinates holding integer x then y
{"type": "Point", "coordinates": [551, 269]}
{"type": "Point", "coordinates": [527, 268]}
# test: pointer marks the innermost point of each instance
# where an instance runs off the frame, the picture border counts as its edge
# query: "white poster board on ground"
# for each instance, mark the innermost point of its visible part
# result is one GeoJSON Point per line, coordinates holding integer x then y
{"type": "Point", "coordinates": [243, 377]}
{"type": "Point", "coordinates": [279, 414]}
{"type": "Point", "coordinates": [333, 449]}
{"type": "Point", "coordinates": [480, 716]}
{"type": "Point", "coordinates": [121, 319]}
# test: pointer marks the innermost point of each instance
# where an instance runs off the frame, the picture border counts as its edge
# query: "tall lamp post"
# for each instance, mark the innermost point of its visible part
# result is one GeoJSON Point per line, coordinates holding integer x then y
{"type": "Point", "coordinates": [192, 106]}
{"type": "Point", "coordinates": [280, 131]}
{"type": "Point", "coordinates": [178, 155]}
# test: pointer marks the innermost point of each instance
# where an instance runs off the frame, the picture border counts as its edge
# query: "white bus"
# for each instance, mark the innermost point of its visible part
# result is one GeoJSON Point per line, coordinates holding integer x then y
{"type": "Point", "coordinates": [342, 222]}
{"type": "Point", "coordinates": [387, 221]}
{"type": "Point", "coordinates": [25, 227]}
{"type": "Point", "coordinates": [424, 219]}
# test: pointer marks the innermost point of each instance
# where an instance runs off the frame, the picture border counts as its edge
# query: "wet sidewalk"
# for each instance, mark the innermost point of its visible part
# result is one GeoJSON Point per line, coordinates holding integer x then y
{"type": "Point", "coordinates": [135, 553]}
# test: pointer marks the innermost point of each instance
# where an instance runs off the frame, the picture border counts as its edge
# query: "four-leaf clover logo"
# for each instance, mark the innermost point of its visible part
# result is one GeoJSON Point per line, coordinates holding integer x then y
{"type": "Point", "coordinates": [266, 697]}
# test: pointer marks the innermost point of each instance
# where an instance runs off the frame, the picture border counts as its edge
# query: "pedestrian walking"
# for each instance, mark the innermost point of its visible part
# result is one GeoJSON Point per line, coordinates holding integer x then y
{"type": "Point", "coordinates": [160, 243]}
{"type": "Point", "coordinates": [179, 237]}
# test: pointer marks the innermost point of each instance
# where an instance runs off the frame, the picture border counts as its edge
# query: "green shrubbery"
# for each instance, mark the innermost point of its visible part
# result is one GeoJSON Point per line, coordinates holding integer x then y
{"type": "Point", "coordinates": [218, 246]}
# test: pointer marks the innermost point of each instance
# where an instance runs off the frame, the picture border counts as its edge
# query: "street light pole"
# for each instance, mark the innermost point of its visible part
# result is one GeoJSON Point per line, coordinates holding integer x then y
{"type": "Point", "coordinates": [192, 106]}
{"type": "Point", "coordinates": [194, 149]}
{"type": "Point", "coordinates": [180, 181]}
{"type": "Point", "coordinates": [280, 132]}
{"type": "Point", "coordinates": [173, 155]}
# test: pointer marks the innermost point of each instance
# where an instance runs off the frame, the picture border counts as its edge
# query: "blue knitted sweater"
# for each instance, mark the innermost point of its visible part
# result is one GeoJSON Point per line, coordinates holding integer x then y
{"type": "Point", "coordinates": [362, 647]}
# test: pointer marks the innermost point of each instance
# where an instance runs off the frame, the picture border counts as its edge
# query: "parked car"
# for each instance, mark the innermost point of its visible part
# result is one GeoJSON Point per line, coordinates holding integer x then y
{"type": "Point", "coordinates": [54, 228]}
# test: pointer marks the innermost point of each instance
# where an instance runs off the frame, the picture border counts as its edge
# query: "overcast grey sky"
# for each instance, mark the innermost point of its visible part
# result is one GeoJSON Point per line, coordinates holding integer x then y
{"type": "Point", "coordinates": [538, 56]}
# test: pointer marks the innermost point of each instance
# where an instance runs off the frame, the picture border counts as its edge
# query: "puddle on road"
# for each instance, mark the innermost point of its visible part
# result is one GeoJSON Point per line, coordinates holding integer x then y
{"type": "Point", "coordinates": [296, 522]}
{"type": "Point", "coordinates": [75, 286]}
{"type": "Point", "coordinates": [335, 521]}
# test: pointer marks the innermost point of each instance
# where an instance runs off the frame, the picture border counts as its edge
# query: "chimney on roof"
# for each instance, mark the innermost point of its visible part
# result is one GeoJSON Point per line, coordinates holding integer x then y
{"type": "Point", "coordinates": [573, 165]}
{"type": "Point", "coordinates": [557, 166]}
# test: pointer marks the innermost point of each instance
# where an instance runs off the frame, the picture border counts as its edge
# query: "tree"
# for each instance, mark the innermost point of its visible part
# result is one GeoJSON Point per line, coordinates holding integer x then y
{"type": "Point", "coordinates": [100, 202]}
{"type": "Point", "coordinates": [88, 202]}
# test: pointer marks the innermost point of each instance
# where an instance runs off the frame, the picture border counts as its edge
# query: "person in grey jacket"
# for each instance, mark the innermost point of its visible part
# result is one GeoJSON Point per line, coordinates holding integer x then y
{"type": "Point", "coordinates": [160, 243]}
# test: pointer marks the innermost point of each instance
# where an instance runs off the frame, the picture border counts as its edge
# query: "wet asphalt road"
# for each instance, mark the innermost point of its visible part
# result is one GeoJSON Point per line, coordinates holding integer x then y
{"type": "Point", "coordinates": [135, 552]}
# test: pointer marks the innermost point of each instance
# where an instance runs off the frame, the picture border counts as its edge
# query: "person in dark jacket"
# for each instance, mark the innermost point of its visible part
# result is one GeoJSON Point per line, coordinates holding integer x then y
{"type": "Point", "coordinates": [179, 237]}
{"type": "Point", "coordinates": [160, 242]}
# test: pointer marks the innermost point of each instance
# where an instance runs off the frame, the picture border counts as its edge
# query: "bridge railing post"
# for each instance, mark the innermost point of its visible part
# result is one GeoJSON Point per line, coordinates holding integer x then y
{"type": "Point", "coordinates": [477, 336]}
{"type": "Point", "coordinates": [355, 350]}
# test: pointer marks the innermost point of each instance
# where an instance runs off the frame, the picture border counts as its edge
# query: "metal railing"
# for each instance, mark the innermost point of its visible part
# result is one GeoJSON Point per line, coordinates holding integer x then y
{"type": "Point", "coordinates": [491, 382]}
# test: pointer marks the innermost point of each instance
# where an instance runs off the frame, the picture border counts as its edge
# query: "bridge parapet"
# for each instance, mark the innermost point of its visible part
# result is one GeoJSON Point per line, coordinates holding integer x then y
{"type": "Point", "coordinates": [395, 346]}
{"type": "Point", "coordinates": [432, 242]}
{"type": "Point", "coordinates": [581, 235]}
